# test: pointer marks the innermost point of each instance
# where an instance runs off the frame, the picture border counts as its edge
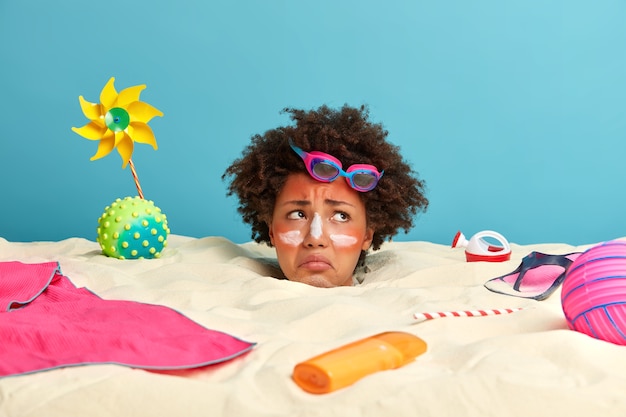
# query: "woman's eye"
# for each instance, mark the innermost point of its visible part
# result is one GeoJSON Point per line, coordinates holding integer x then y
{"type": "Point", "coordinates": [296, 215]}
{"type": "Point", "coordinates": [341, 217]}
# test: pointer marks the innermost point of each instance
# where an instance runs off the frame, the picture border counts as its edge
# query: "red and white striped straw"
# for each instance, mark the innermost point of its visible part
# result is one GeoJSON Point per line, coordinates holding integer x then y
{"type": "Point", "coordinates": [464, 313]}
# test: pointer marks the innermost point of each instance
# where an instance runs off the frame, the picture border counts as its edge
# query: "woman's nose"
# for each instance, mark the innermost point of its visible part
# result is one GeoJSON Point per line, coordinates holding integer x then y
{"type": "Point", "coordinates": [312, 242]}
{"type": "Point", "coordinates": [316, 235]}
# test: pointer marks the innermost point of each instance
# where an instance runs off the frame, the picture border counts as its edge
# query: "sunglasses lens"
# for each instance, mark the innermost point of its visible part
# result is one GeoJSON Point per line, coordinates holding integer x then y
{"type": "Point", "coordinates": [324, 170]}
{"type": "Point", "coordinates": [364, 181]}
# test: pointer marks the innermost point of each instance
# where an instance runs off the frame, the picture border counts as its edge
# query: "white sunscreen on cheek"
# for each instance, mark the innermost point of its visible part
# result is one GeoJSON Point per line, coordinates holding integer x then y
{"type": "Point", "coordinates": [343, 240]}
{"type": "Point", "coordinates": [316, 226]}
{"type": "Point", "coordinates": [291, 238]}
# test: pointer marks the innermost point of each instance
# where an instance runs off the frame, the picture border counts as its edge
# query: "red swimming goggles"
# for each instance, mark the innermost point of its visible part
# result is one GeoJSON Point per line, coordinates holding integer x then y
{"type": "Point", "coordinates": [326, 168]}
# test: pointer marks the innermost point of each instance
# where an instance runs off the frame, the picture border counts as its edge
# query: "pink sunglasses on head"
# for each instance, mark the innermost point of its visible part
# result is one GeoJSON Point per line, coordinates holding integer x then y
{"type": "Point", "coordinates": [326, 168]}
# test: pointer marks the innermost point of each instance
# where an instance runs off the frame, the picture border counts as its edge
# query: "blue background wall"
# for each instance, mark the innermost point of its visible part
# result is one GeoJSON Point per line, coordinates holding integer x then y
{"type": "Point", "coordinates": [512, 111]}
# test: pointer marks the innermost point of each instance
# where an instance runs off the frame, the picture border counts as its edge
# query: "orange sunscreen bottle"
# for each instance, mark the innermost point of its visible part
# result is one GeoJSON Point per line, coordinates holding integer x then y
{"type": "Point", "coordinates": [347, 364]}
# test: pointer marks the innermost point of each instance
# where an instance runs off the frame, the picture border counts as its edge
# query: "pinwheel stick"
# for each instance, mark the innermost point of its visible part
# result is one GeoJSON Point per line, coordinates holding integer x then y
{"type": "Point", "coordinates": [134, 172]}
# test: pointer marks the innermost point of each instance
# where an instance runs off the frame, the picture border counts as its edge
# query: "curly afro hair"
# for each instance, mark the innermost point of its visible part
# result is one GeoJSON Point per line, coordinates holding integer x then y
{"type": "Point", "coordinates": [347, 134]}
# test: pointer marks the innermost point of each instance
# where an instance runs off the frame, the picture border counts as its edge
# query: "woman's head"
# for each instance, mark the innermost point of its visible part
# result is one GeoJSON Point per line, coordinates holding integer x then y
{"type": "Point", "coordinates": [319, 230]}
{"type": "Point", "coordinates": [260, 176]}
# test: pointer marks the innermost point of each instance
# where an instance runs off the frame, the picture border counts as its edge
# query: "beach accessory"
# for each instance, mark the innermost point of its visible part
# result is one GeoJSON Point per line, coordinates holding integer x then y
{"type": "Point", "coordinates": [132, 228]}
{"type": "Point", "coordinates": [593, 296]}
{"type": "Point", "coordinates": [48, 322]}
{"type": "Point", "coordinates": [118, 121]}
{"type": "Point", "coordinates": [420, 317]}
{"type": "Point", "coordinates": [347, 364]}
{"type": "Point", "coordinates": [478, 248]}
{"type": "Point", "coordinates": [326, 168]}
{"type": "Point", "coordinates": [537, 276]}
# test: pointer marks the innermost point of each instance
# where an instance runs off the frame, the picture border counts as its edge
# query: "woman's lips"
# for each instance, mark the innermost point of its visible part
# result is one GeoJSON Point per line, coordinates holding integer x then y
{"type": "Point", "coordinates": [315, 263]}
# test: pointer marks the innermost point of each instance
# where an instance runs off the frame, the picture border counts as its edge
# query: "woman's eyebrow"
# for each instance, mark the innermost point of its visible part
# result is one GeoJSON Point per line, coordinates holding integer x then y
{"type": "Point", "coordinates": [300, 203]}
{"type": "Point", "coordinates": [337, 203]}
{"type": "Point", "coordinates": [328, 201]}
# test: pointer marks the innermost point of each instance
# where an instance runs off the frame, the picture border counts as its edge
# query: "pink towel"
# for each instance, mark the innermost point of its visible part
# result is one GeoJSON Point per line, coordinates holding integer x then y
{"type": "Point", "coordinates": [46, 322]}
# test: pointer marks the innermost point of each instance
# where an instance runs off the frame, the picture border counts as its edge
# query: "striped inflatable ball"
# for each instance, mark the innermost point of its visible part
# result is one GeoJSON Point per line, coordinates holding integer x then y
{"type": "Point", "coordinates": [593, 296]}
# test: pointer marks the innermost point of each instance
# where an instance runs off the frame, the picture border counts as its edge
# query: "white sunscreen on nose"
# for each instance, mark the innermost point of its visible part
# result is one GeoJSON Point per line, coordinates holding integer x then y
{"type": "Point", "coordinates": [343, 240]}
{"type": "Point", "coordinates": [292, 237]}
{"type": "Point", "coordinates": [316, 226]}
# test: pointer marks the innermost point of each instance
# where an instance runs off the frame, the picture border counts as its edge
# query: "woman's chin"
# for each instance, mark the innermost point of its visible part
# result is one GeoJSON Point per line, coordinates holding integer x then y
{"type": "Point", "coordinates": [320, 281]}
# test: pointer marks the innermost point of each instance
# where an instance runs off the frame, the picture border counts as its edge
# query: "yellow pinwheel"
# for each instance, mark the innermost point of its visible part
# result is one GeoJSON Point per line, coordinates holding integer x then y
{"type": "Point", "coordinates": [118, 121]}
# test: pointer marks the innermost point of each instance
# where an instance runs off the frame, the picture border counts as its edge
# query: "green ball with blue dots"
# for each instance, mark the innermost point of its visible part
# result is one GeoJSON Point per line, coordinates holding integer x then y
{"type": "Point", "coordinates": [132, 228]}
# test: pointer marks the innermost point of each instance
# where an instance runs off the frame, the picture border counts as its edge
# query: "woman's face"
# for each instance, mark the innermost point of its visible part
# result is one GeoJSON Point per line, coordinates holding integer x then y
{"type": "Point", "coordinates": [319, 230]}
